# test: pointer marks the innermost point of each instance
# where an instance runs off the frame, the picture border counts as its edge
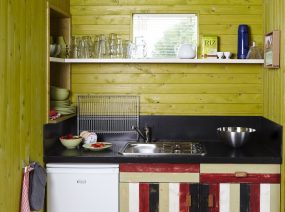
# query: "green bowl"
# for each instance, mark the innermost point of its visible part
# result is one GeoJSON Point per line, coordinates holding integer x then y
{"type": "Point", "coordinates": [71, 143]}
{"type": "Point", "coordinates": [58, 94]}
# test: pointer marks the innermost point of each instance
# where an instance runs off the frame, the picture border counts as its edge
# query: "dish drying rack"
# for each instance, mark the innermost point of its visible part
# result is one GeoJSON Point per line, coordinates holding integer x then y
{"type": "Point", "coordinates": [104, 114]}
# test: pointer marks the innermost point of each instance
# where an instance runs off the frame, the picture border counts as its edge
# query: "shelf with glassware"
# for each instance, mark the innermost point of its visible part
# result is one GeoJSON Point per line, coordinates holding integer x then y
{"type": "Point", "coordinates": [113, 49]}
{"type": "Point", "coordinates": [59, 34]}
{"type": "Point", "coordinates": [164, 60]}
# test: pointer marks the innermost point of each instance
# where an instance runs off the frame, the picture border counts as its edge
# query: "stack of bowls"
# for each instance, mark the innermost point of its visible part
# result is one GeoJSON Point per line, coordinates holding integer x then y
{"type": "Point", "coordinates": [60, 101]}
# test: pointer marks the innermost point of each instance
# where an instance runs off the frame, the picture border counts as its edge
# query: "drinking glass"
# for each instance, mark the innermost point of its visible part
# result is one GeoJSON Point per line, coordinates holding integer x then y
{"type": "Point", "coordinates": [95, 46]}
{"type": "Point", "coordinates": [113, 48]}
{"type": "Point", "coordinates": [90, 46]}
{"type": "Point", "coordinates": [129, 49]}
{"type": "Point", "coordinates": [119, 45]}
{"type": "Point", "coordinates": [102, 46]}
{"type": "Point", "coordinates": [140, 50]}
{"type": "Point", "coordinates": [74, 47]}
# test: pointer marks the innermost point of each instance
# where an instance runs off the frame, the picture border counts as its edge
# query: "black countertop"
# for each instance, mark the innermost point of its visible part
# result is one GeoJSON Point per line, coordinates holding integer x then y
{"type": "Point", "coordinates": [217, 152]}
{"type": "Point", "coordinates": [264, 148]}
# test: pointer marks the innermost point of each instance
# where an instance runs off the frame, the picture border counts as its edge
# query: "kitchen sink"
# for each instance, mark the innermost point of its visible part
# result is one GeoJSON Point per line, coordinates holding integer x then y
{"type": "Point", "coordinates": [164, 148]}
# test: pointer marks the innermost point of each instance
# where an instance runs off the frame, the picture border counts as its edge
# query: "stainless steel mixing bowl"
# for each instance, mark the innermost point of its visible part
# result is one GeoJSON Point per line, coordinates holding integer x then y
{"type": "Point", "coordinates": [235, 136]}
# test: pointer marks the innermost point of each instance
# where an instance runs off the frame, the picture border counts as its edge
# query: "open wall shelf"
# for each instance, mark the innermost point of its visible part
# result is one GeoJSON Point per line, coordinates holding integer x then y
{"type": "Point", "coordinates": [171, 60]}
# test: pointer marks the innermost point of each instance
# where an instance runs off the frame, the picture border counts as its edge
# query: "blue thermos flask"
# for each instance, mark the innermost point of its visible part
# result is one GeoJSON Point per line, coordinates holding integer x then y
{"type": "Point", "coordinates": [242, 41]}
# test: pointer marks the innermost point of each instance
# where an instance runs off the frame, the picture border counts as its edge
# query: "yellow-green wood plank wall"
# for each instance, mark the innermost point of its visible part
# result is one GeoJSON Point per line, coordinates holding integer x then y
{"type": "Point", "coordinates": [182, 89]}
{"type": "Point", "coordinates": [22, 92]}
{"type": "Point", "coordinates": [63, 5]}
{"type": "Point", "coordinates": [274, 88]}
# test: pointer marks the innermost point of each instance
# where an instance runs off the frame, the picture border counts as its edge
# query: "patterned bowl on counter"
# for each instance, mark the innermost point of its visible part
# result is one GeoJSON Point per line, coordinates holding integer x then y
{"type": "Point", "coordinates": [70, 142]}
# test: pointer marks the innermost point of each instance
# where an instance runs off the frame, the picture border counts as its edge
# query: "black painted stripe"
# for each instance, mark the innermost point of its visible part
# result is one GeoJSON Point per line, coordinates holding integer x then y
{"type": "Point", "coordinates": [204, 194]}
{"type": "Point", "coordinates": [153, 197]}
{"type": "Point", "coordinates": [244, 197]}
{"type": "Point", "coordinates": [194, 191]}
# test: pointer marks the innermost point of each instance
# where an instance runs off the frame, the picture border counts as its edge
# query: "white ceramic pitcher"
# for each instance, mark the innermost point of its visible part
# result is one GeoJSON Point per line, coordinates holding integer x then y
{"type": "Point", "coordinates": [186, 51]}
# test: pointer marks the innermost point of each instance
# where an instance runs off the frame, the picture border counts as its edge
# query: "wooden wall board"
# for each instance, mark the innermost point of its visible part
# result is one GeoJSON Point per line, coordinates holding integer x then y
{"type": "Point", "coordinates": [167, 88]}
{"type": "Point", "coordinates": [3, 101]}
{"type": "Point", "coordinates": [201, 98]}
{"type": "Point", "coordinates": [166, 68]}
{"type": "Point", "coordinates": [166, 78]}
{"type": "Point", "coordinates": [205, 109]}
{"type": "Point", "coordinates": [167, 2]}
{"type": "Point", "coordinates": [223, 89]}
{"type": "Point", "coordinates": [202, 9]}
{"type": "Point", "coordinates": [63, 5]}
{"type": "Point", "coordinates": [22, 93]}
{"type": "Point", "coordinates": [274, 88]}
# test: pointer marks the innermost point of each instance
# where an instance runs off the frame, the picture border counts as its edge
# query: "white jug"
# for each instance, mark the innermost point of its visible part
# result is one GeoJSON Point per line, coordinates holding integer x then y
{"type": "Point", "coordinates": [186, 51]}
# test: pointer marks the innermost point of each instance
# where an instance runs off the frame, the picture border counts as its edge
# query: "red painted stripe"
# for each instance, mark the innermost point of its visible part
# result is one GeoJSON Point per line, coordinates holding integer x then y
{"type": "Point", "coordinates": [215, 191]}
{"type": "Point", "coordinates": [160, 167]}
{"type": "Point", "coordinates": [231, 178]}
{"type": "Point", "coordinates": [144, 197]}
{"type": "Point", "coordinates": [255, 198]}
{"type": "Point", "coordinates": [183, 192]}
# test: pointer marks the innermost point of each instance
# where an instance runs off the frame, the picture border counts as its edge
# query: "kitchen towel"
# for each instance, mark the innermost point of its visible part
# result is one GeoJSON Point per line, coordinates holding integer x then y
{"type": "Point", "coordinates": [25, 206]}
{"type": "Point", "coordinates": [37, 185]}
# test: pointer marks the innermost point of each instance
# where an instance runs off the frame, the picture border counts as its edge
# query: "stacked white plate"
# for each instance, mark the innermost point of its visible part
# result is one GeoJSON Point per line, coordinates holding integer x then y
{"type": "Point", "coordinates": [63, 103]}
{"type": "Point", "coordinates": [60, 101]}
{"type": "Point", "coordinates": [65, 110]}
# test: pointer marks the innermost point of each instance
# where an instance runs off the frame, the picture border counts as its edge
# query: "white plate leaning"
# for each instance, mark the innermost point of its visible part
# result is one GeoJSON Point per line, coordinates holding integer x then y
{"type": "Point", "coordinates": [96, 149]}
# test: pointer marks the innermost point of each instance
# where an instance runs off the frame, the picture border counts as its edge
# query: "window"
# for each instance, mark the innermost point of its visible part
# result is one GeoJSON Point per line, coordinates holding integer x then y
{"type": "Point", "coordinates": [163, 33]}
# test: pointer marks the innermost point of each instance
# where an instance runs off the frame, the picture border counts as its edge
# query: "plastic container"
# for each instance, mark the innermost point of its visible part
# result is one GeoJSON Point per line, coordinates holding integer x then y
{"type": "Point", "coordinates": [254, 52]}
{"type": "Point", "coordinates": [242, 41]}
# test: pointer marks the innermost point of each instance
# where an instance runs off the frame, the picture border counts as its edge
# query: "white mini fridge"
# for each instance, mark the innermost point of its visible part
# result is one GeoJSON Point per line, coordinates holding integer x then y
{"type": "Point", "coordinates": [82, 187]}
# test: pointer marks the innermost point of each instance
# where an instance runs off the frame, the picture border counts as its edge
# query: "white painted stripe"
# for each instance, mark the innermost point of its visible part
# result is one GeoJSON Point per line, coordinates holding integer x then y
{"type": "Point", "coordinates": [234, 197]}
{"type": "Point", "coordinates": [224, 197]}
{"type": "Point", "coordinates": [174, 197]}
{"type": "Point", "coordinates": [134, 197]}
{"type": "Point", "coordinates": [232, 168]}
{"type": "Point", "coordinates": [265, 198]}
{"type": "Point", "coordinates": [275, 197]}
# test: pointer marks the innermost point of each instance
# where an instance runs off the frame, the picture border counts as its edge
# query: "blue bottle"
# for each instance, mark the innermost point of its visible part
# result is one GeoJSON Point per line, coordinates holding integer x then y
{"type": "Point", "coordinates": [242, 41]}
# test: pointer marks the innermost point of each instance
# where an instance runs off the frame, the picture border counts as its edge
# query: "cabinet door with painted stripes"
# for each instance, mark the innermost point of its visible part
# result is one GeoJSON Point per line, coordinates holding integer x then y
{"type": "Point", "coordinates": [249, 197]}
{"type": "Point", "coordinates": [239, 197]}
{"type": "Point", "coordinates": [242, 187]}
{"type": "Point", "coordinates": [159, 197]}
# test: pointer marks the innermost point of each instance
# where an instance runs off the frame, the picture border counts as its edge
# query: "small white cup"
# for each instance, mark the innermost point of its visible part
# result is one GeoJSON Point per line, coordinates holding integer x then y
{"type": "Point", "coordinates": [228, 55]}
{"type": "Point", "coordinates": [220, 55]}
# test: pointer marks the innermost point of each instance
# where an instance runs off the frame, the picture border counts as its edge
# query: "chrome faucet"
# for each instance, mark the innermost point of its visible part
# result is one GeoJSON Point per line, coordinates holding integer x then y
{"type": "Point", "coordinates": [146, 136]}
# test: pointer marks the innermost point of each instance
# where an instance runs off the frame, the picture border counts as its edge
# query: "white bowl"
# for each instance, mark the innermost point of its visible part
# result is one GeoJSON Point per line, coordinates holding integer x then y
{"type": "Point", "coordinates": [71, 143]}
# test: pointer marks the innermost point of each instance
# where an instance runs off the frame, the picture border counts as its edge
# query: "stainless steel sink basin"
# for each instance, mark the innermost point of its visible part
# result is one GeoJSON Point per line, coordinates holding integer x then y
{"type": "Point", "coordinates": [144, 148]}
{"type": "Point", "coordinates": [164, 148]}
